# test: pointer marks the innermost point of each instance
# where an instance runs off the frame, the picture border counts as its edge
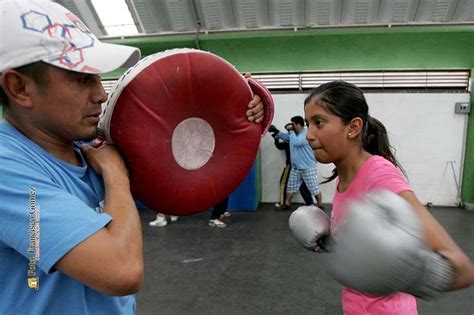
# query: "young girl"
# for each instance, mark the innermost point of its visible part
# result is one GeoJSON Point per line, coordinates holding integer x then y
{"type": "Point", "coordinates": [342, 132]}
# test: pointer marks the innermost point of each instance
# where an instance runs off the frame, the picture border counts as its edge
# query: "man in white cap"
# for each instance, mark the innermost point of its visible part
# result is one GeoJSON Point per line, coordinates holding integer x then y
{"type": "Point", "coordinates": [70, 234]}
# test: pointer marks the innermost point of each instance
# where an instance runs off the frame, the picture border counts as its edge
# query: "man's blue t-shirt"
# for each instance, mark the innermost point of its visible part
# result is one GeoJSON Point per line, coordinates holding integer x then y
{"type": "Point", "coordinates": [302, 156]}
{"type": "Point", "coordinates": [47, 207]}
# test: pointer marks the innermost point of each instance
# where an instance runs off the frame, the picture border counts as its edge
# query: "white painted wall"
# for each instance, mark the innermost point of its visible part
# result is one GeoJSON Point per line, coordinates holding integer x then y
{"type": "Point", "coordinates": [423, 128]}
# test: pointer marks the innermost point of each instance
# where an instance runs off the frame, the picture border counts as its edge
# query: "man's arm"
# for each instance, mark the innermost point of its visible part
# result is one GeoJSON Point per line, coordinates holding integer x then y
{"type": "Point", "coordinates": [299, 139]}
{"type": "Point", "coordinates": [283, 136]}
{"type": "Point", "coordinates": [111, 260]}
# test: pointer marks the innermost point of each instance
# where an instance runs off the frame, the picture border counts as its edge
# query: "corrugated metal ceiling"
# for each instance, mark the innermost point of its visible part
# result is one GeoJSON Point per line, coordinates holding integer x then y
{"type": "Point", "coordinates": [188, 16]}
{"type": "Point", "coordinates": [182, 16]}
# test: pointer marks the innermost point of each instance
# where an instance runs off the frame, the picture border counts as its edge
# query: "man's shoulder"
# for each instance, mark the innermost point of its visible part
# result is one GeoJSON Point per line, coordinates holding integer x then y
{"type": "Point", "coordinates": [17, 151]}
{"type": "Point", "coordinates": [10, 138]}
{"type": "Point", "coordinates": [12, 147]}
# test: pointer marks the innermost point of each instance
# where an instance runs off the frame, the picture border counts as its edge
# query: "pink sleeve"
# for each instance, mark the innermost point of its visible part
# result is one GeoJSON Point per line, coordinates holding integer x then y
{"type": "Point", "coordinates": [386, 176]}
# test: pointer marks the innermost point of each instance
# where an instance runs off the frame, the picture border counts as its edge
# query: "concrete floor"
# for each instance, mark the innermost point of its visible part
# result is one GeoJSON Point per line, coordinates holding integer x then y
{"type": "Point", "coordinates": [254, 266]}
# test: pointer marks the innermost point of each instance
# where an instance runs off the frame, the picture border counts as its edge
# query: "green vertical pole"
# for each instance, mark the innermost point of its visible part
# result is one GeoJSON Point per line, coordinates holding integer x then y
{"type": "Point", "coordinates": [467, 193]}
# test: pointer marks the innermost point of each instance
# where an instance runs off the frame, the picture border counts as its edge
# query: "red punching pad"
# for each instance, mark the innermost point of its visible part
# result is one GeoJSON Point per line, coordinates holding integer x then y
{"type": "Point", "coordinates": [178, 119]}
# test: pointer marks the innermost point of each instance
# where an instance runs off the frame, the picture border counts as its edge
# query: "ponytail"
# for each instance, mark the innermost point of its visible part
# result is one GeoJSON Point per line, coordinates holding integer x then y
{"type": "Point", "coordinates": [375, 141]}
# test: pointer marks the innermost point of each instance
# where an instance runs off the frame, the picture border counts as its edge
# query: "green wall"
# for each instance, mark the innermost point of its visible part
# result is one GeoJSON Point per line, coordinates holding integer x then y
{"type": "Point", "coordinates": [331, 49]}
{"type": "Point", "coordinates": [342, 49]}
{"type": "Point", "coordinates": [467, 192]}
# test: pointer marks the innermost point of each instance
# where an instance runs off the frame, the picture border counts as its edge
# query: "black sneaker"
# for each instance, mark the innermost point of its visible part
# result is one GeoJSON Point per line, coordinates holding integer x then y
{"type": "Point", "coordinates": [283, 207]}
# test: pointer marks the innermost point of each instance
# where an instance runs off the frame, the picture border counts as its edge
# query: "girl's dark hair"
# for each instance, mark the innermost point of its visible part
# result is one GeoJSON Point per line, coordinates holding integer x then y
{"type": "Point", "coordinates": [347, 101]}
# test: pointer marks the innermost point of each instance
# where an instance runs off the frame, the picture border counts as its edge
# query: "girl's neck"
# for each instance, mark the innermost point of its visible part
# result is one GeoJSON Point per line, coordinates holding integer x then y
{"type": "Point", "coordinates": [347, 168]}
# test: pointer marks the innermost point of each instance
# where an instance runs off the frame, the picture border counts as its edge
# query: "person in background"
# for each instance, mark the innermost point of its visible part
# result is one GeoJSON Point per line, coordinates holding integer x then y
{"type": "Point", "coordinates": [162, 221]}
{"type": "Point", "coordinates": [284, 146]}
{"type": "Point", "coordinates": [219, 211]}
{"type": "Point", "coordinates": [303, 163]}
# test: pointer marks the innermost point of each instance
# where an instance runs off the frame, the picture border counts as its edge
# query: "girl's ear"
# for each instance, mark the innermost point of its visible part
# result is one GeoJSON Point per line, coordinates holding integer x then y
{"type": "Point", "coordinates": [355, 128]}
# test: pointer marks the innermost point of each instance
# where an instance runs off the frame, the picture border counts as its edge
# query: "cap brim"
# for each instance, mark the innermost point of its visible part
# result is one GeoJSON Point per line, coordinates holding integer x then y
{"type": "Point", "coordinates": [101, 58]}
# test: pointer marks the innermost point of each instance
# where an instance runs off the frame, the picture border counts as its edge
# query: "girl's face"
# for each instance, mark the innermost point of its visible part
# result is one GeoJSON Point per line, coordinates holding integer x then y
{"type": "Point", "coordinates": [326, 134]}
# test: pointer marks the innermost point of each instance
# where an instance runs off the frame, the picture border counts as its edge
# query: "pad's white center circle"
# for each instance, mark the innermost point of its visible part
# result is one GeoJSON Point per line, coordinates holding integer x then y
{"type": "Point", "coordinates": [193, 143]}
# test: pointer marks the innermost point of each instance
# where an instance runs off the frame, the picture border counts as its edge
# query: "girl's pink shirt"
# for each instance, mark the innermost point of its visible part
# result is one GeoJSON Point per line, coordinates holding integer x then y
{"type": "Point", "coordinates": [375, 173]}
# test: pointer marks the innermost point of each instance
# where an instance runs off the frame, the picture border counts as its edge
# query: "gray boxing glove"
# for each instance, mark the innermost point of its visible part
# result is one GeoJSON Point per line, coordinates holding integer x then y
{"type": "Point", "coordinates": [310, 227]}
{"type": "Point", "coordinates": [380, 249]}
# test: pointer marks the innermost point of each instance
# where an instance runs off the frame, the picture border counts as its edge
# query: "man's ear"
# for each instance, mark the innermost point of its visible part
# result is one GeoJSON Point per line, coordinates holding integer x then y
{"type": "Point", "coordinates": [17, 87]}
{"type": "Point", "coordinates": [355, 127]}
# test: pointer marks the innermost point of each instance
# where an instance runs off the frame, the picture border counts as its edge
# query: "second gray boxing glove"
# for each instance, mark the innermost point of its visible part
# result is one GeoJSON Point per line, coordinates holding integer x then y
{"type": "Point", "coordinates": [380, 249]}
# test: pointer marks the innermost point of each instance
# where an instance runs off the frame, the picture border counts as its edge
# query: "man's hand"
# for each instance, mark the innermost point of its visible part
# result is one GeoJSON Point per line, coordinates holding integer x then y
{"type": "Point", "coordinates": [105, 159]}
{"type": "Point", "coordinates": [255, 110]}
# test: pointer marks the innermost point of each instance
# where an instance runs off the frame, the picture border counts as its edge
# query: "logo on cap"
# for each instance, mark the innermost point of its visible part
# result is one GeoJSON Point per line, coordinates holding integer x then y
{"type": "Point", "coordinates": [71, 38]}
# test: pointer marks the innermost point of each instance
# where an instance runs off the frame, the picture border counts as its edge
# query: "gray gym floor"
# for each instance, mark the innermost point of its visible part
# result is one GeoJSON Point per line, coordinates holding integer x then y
{"type": "Point", "coordinates": [254, 266]}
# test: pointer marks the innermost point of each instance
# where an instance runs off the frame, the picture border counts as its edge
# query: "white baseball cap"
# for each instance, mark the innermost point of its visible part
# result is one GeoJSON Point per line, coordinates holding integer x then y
{"type": "Point", "coordinates": [32, 31]}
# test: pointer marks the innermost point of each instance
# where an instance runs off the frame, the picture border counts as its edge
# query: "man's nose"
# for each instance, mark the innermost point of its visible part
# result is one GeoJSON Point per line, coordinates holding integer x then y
{"type": "Point", "coordinates": [99, 96]}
